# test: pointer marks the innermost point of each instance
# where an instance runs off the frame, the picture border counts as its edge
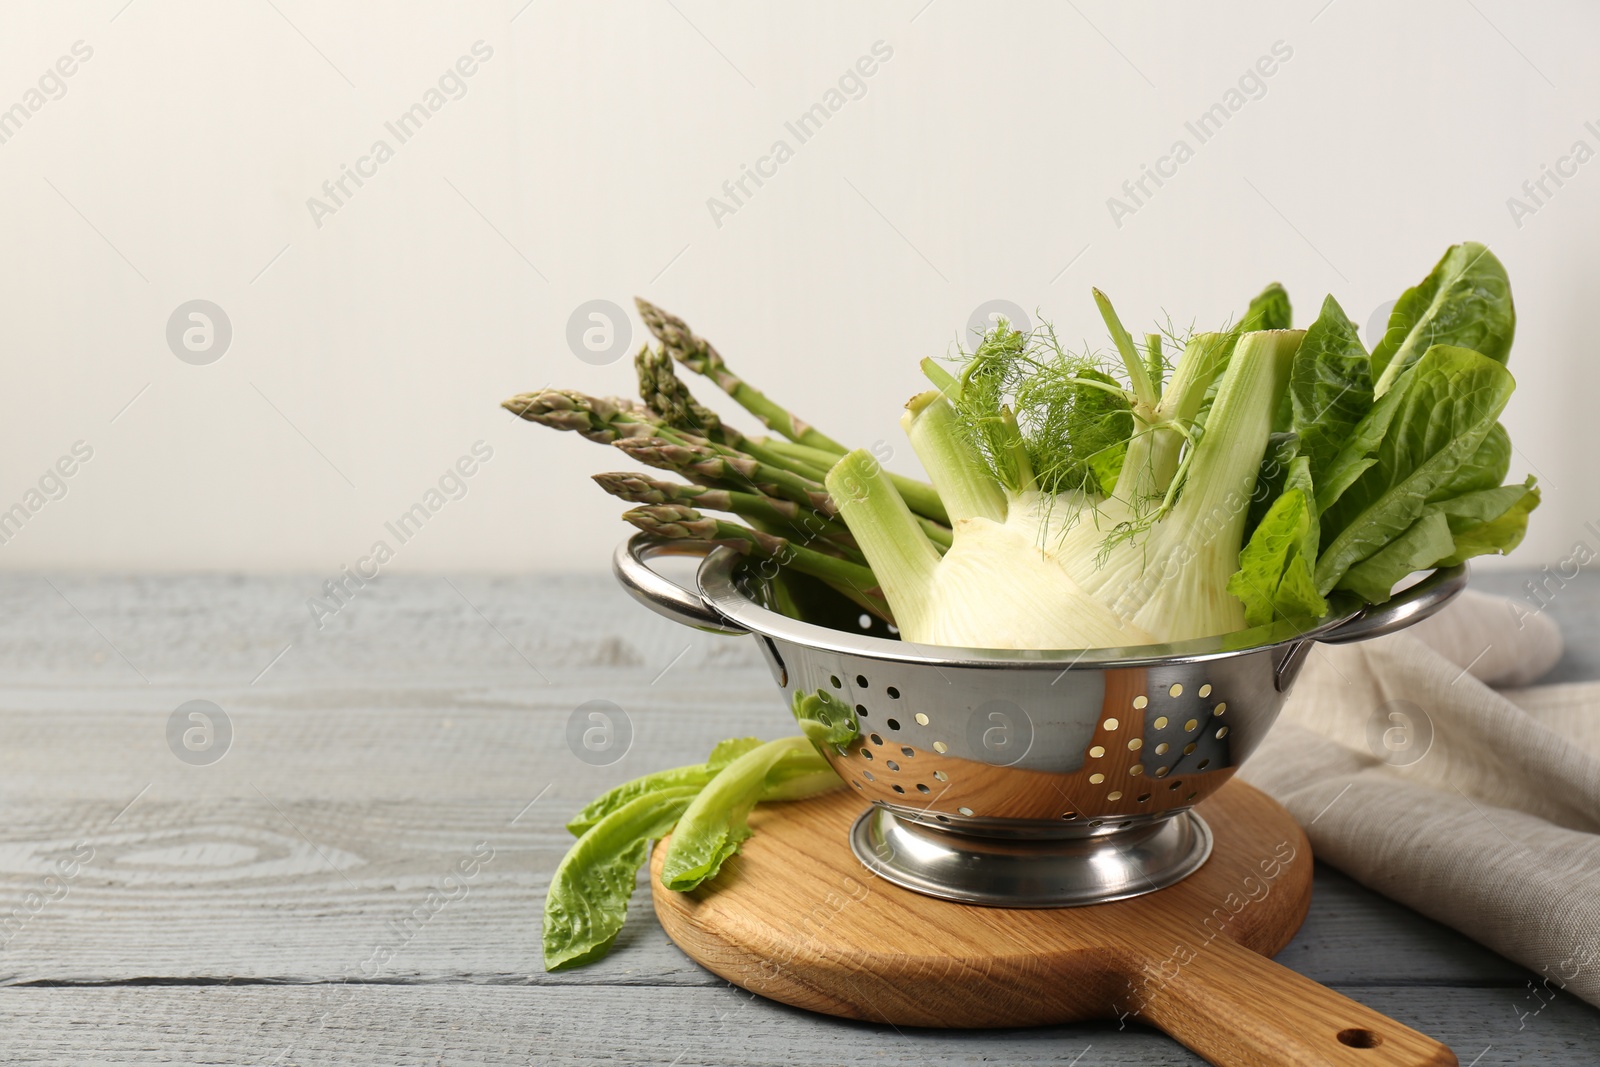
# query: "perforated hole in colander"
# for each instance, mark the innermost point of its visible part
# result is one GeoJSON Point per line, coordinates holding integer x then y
{"type": "Point", "coordinates": [861, 681]}
{"type": "Point", "coordinates": [861, 710]}
{"type": "Point", "coordinates": [891, 764]}
{"type": "Point", "coordinates": [965, 811]}
{"type": "Point", "coordinates": [893, 724]}
{"type": "Point", "coordinates": [1205, 690]}
{"type": "Point", "coordinates": [922, 719]}
{"type": "Point", "coordinates": [907, 751]}
{"type": "Point", "coordinates": [894, 694]}
{"type": "Point", "coordinates": [941, 776]}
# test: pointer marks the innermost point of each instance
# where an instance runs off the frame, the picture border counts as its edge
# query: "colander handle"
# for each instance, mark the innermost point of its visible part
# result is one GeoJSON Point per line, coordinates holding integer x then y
{"type": "Point", "coordinates": [630, 563]}
{"type": "Point", "coordinates": [1411, 605]}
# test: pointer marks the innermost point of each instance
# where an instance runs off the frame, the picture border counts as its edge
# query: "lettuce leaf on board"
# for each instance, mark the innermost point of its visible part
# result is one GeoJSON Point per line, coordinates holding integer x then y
{"type": "Point", "coordinates": [697, 775]}
{"type": "Point", "coordinates": [1464, 302]}
{"type": "Point", "coordinates": [714, 824]}
{"type": "Point", "coordinates": [587, 902]}
{"type": "Point", "coordinates": [589, 892]}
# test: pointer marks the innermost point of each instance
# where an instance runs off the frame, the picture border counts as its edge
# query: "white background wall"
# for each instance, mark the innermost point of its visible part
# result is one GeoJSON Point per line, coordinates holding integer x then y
{"type": "Point", "coordinates": [372, 351]}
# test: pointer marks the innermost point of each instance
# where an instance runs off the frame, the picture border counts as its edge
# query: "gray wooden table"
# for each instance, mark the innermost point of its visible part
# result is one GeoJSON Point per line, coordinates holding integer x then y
{"type": "Point", "coordinates": [359, 878]}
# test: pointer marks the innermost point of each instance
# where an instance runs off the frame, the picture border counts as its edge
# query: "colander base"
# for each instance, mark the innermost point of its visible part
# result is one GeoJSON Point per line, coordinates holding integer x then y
{"type": "Point", "coordinates": [1010, 873]}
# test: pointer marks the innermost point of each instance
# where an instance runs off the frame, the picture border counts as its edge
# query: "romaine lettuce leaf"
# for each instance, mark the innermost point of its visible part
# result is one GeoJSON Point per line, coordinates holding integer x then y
{"type": "Point", "coordinates": [1422, 544]}
{"type": "Point", "coordinates": [696, 774]}
{"type": "Point", "coordinates": [824, 719]}
{"type": "Point", "coordinates": [1433, 421]}
{"type": "Point", "coordinates": [1486, 469]}
{"type": "Point", "coordinates": [714, 825]}
{"type": "Point", "coordinates": [1275, 572]}
{"type": "Point", "coordinates": [1330, 387]}
{"type": "Point", "coordinates": [588, 898]}
{"type": "Point", "coordinates": [1447, 533]}
{"type": "Point", "coordinates": [1499, 534]}
{"type": "Point", "coordinates": [1464, 302]}
{"type": "Point", "coordinates": [1270, 310]}
{"type": "Point", "coordinates": [1098, 424]}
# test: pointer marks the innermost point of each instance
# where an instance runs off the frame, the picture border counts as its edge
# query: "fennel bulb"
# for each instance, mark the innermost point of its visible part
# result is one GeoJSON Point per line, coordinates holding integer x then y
{"type": "Point", "coordinates": [999, 585]}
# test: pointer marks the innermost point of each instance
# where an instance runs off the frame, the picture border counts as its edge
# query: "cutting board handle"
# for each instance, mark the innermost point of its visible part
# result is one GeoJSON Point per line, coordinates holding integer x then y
{"type": "Point", "coordinates": [1238, 1009]}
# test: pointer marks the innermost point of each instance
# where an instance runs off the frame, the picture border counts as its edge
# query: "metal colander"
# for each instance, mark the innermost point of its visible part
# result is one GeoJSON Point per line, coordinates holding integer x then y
{"type": "Point", "coordinates": [1018, 778]}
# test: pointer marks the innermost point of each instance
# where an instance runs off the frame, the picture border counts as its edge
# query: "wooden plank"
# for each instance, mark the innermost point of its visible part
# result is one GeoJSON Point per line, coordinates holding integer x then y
{"type": "Point", "coordinates": [489, 1026]}
{"type": "Point", "coordinates": [95, 630]}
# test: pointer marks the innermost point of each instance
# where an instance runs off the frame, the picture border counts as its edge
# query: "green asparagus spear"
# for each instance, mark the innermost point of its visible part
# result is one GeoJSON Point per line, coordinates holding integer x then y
{"type": "Point", "coordinates": [698, 355]}
{"type": "Point", "coordinates": [677, 522]}
{"type": "Point", "coordinates": [602, 419]}
{"type": "Point", "coordinates": [641, 489]}
{"type": "Point", "coordinates": [704, 461]}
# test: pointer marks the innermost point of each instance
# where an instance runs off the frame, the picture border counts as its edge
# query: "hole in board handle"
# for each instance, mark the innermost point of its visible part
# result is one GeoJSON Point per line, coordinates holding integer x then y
{"type": "Point", "coordinates": [1357, 1037]}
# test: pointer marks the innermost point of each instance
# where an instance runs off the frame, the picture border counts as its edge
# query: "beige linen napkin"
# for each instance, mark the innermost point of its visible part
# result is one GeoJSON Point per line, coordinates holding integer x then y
{"type": "Point", "coordinates": [1418, 769]}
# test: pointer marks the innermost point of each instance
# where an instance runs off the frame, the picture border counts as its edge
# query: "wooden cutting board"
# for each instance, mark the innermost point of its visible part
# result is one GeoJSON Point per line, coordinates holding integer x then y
{"type": "Point", "coordinates": [795, 917]}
